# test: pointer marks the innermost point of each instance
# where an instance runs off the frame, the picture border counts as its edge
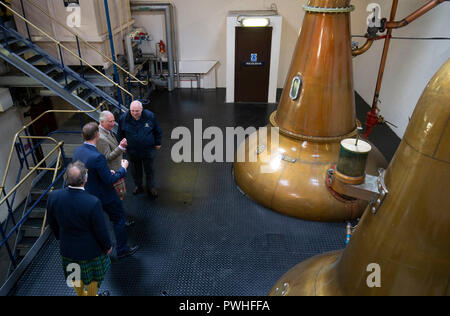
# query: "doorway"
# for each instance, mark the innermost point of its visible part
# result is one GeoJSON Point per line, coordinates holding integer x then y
{"type": "Point", "coordinates": [252, 66]}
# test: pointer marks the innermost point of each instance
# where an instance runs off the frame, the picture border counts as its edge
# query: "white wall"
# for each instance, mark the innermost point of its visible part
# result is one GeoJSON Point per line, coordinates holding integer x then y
{"type": "Point", "coordinates": [201, 29]}
{"type": "Point", "coordinates": [201, 35]}
{"type": "Point", "coordinates": [410, 63]}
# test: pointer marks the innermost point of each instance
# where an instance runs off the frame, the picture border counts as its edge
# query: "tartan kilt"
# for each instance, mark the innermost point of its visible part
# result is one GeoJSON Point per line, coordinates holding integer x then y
{"type": "Point", "coordinates": [91, 270]}
{"type": "Point", "coordinates": [121, 188]}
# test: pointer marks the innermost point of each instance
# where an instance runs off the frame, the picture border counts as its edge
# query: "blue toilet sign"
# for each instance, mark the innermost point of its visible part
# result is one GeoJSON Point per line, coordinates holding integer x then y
{"type": "Point", "coordinates": [253, 58]}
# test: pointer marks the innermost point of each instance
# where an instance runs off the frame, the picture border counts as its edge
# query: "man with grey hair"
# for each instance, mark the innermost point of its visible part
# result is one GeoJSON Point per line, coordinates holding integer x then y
{"type": "Point", "coordinates": [101, 184]}
{"type": "Point", "coordinates": [141, 129]}
{"type": "Point", "coordinates": [111, 149]}
{"type": "Point", "coordinates": [76, 218]}
{"type": "Point", "coordinates": [108, 144]}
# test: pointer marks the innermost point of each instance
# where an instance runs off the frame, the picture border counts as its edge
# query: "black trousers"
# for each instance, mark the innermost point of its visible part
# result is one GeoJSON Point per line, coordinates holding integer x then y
{"type": "Point", "coordinates": [139, 165]}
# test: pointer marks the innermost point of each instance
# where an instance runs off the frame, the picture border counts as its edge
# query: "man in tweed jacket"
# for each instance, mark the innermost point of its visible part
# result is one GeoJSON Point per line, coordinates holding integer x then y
{"type": "Point", "coordinates": [111, 149]}
{"type": "Point", "coordinates": [108, 144]}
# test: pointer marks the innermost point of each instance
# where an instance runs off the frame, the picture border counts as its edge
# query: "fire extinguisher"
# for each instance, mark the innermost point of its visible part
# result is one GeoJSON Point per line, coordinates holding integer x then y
{"type": "Point", "coordinates": [162, 47]}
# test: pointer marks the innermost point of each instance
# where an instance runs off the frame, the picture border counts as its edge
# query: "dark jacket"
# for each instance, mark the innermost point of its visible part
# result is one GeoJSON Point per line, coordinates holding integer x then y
{"type": "Point", "coordinates": [100, 180]}
{"type": "Point", "coordinates": [76, 218]}
{"type": "Point", "coordinates": [143, 135]}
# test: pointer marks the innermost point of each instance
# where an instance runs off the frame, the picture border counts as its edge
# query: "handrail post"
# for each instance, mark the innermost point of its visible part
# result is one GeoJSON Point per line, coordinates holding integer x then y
{"type": "Point", "coordinates": [5, 35]}
{"type": "Point", "coordinates": [26, 24]}
{"type": "Point", "coordinates": [62, 63]}
{"type": "Point", "coordinates": [32, 149]}
{"type": "Point", "coordinates": [24, 153]}
{"type": "Point", "coordinates": [81, 58]}
{"type": "Point", "coordinates": [11, 255]}
{"type": "Point", "coordinates": [113, 53]}
{"type": "Point", "coordinates": [129, 89]}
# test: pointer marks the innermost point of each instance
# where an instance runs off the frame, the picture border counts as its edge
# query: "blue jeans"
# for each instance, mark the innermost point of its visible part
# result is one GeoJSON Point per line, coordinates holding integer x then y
{"type": "Point", "coordinates": [117, 216]}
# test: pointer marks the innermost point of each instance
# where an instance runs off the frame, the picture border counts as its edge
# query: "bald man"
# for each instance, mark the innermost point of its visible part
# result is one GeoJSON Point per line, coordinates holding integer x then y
{"type": "Point", "coordinates": [141, 130]}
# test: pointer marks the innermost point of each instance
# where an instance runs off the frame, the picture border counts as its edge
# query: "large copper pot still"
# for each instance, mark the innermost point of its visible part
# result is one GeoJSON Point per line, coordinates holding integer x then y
{"type": "Point", "coordinates": [404, 239]}
{"type": "Point", "coordinates": [316, 112]}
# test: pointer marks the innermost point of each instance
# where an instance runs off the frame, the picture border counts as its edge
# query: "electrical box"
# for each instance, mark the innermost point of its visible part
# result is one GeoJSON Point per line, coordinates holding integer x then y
{"type": "Point", "coordinates": [5, 99]}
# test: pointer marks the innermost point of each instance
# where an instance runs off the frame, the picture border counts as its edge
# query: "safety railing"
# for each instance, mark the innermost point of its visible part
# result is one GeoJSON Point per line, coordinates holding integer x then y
{"type": "Point", "coordinates": [61, 46]}
{"type": "Point", "coordinates": [79, 38]}
{"type": "Point", "coordinates": [38, 166]}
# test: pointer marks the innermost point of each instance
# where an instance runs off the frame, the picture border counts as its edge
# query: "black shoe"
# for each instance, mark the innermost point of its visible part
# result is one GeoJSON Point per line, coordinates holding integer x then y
{"type": "Point", "coordinates": [131, 251]}
{"type": "Point", "coordinates": [138, 190]}
{"type": "Point", "coordinates": [104, 293]}
{"type": "Point", "coordinates": [129, 223]}
{"type": "Point", "coordinates": [153, 193]}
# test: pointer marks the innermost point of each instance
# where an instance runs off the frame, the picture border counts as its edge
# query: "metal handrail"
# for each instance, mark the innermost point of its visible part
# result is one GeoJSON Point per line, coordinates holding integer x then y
{"type": "Point", "coordinates": [58, 43]}
{"type": "Point", "coordinates": [17, 186]}
{"type": "Point", "coordinates": [87, 43]}
{"type": "Point", "coordinates": [2, 185]}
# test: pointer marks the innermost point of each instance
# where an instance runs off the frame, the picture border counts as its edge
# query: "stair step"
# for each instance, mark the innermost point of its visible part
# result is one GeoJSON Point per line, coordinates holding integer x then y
{"type": "Point", "coordinates": [24, 246]}
{"type": "Point", "coordinates": [35, 194]}
{"type": "Point", "coordinates": [22, 252]}
{"type": "Point", "coordinates": [22, 50]}
{"type": "Point", "coordinates": [73, 85]}
{"type": "Point", "coordinates": [48, 69]}
{"type": "Point", "coordinates": [38, 213]}
{"type": "Point", "coordinates": [86, 94]}
{"type": "Point", "coordinates": [35, 59]}
{"type": "Point", "coordinates": [10, 41]}
{"type": "Point", "coordinates": [59, 77]}
{"type": "Point", "coordinates": [30, 230]}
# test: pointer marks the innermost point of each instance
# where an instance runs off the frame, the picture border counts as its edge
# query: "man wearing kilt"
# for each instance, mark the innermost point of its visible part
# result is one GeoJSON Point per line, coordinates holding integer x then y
{"type": "Point", "coordinates": [76, 218]}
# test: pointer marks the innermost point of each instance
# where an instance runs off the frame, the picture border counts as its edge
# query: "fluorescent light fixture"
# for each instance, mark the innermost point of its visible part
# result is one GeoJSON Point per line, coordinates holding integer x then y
{"type": "Point", "coordinates": [255, 22]}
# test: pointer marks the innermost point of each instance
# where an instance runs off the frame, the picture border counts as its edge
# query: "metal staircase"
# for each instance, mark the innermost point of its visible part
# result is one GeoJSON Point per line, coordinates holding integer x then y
{"type": "Point", "coordinates": [25, 55]}
{"type": "Point", "coordinates": [51, 73]}
{"type": "Point", "coordinates": [22, 235]}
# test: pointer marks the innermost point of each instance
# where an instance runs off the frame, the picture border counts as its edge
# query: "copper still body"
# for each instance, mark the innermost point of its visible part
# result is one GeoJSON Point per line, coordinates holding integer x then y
{"type": "Point", "coordinates": [406, 236]}
{"type": "Point", "coordinates": [316, 112]}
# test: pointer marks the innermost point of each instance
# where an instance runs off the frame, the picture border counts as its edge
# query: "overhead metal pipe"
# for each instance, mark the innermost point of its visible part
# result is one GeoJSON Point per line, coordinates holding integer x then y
{"type": "Point", "coordinates": [170, 32]}
{"type": "Point", "coordinates": [373, 118]}
{"type": "Point", "coordinates": [415, 15]}
{"type": "Point", "coordinates": [113, 53]}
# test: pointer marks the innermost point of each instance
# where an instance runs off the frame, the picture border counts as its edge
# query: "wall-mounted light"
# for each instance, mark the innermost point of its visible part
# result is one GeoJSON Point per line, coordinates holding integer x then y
{"type": "Point", "coordinates": [255, 22]}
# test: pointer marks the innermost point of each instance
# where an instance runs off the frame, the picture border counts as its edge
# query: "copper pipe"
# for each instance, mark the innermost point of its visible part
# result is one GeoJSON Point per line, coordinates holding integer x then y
{"type": "Point", "coordinates": [372, 118]}
{"type": "Point", "coordinates": [415, 15]}
{"type": "Point", "coordinates": [361, 50]}
{"type": "Point", "coordinates": [384, 56]}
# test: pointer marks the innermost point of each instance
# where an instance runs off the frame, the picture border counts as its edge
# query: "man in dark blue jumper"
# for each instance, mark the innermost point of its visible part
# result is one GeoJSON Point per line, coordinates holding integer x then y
{"type": "Point", "coordinates": [141, 129]}
{"type": "Point", "coordinates": [101, 184]}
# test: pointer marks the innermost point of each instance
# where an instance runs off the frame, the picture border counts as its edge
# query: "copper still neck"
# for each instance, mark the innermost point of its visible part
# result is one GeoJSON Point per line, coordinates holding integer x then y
{"type": "Point", "coordinates": [322, 65]}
